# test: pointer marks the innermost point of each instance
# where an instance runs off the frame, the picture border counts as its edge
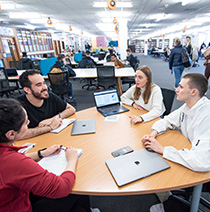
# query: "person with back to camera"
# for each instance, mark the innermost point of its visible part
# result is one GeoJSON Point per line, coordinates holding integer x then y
{"type": "Point", "coordinates": [21, 175]}
{"type": "Point", "coordinates": [193, 120]}
{"type": "Point", "coordinates": [175, 61]}
{"type": "Point", "coordinates": [145, 95]}
{"type": "Point", "coordinates": [25, 63]}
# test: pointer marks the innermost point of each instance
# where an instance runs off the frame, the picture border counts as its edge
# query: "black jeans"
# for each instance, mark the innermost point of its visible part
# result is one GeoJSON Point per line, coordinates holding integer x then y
{"type": "Point", "coordinates": [71, 203]}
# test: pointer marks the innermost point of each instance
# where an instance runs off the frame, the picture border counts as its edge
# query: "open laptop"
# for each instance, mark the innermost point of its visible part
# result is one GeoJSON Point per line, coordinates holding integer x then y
{"type": "Point", "coordinates": [11, 72]}
{"type": "Point", "coordinates": [85, 126]}
{"type": "Point", "coordinates": [136, 165]}
{"type": "Point", "coordinates": [108, 102]}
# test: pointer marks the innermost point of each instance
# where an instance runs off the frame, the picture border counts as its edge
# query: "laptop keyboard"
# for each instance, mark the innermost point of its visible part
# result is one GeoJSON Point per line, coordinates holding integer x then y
{"type": "Point", "coordinates": [112, 108]}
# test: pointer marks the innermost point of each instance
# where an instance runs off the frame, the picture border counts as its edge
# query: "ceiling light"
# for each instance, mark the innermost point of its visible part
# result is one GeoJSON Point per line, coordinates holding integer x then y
{"type": "Point", "coordinates": [24, 15]}
{"type": "Point", "coordinates": [38, 21]}
{"type": "Point", "coordinates": [119, 4]}
{"type": "Point", "coordinates": [7, 6]}
{"type": "Point", "coordinates": [113, 14]}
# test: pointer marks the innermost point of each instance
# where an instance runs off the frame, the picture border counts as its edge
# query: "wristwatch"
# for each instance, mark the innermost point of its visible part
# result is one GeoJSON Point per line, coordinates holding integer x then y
{"type": "Point", "coordinates": [39, 153]}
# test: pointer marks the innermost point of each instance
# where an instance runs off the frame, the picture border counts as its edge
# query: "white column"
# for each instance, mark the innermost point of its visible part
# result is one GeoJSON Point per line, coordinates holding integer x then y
{"type": "Point", "coordinates": [123, 36]}
{"type": "Point", "coordinates": [145, 46]}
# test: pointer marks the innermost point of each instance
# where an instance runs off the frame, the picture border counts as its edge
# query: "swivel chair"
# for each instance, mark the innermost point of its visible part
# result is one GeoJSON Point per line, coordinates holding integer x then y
{"type": "Point", "coordinates": [106, 74]}
{"type": "Point", "coordinates": [59, 83]}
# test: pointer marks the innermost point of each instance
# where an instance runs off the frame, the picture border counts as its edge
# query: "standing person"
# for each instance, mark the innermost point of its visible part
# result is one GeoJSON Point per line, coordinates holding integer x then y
{"type": "Point", "coordinates": [145, 95]}
{"type": "Point", "coordinates": [42, 108]}
{"type": "Point", "coordinates": [100, 47]}
{"type": "Point", "coordinates": [193, 120]}
{"type": "Point", "coordinates": [189, 47]}
{"type": "Point", "coordinates": [175, 61]}
{"type": "Point", "coordinates": [62, 65]}
{"type": "Point", "coordinates": [21, 175]}
{"type": "Point", "coordinates": [207, 62]}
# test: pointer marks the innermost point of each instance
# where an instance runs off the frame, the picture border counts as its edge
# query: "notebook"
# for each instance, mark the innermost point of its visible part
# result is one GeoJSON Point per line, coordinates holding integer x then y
{"type": "Point", "coordinates": [66, 123]}
{"type": "Point", "coordinates": [108, 102]}
{"type": "Point", "coordinates": [11, 72]}
{"type": "Point", "coordinates": [136, 165]}
{"type": "Point", "coordinates": [56, 163]}
{"type": "Point", "coordinates": [85, 126]}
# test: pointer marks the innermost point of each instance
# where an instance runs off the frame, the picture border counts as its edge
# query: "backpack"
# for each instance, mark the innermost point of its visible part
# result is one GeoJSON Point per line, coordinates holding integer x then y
{"type": "Point", "coordinates": [185, 58]}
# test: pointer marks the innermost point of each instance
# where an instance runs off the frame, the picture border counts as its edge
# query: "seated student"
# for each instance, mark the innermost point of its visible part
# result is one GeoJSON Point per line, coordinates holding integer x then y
{"type": "Point", "coordinates": [193, 120]}
{"type": "Point", "coordinates": [108, 55]}
{"type": "Point", "coordinates": [21, 175]}
{"type": "Point", "coordinates": [78, 56]}
{"type": "Point", "coordinates": [87, 61]}
{"type": "Point", "coordinates": [145, 95]}
{"type": "Point", "coordinates": [61, 64]}
{"type": "Point", "coordinates": [25, 63]}
{"type": "Point", "coordinates": [131, 59]}
{"type": "Point", "coordinates": [117, 63]}
{"type": "Point", "coordinates": [43, 108]}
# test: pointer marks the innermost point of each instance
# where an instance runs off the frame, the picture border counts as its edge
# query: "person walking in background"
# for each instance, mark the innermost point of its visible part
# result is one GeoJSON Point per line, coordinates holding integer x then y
{"type": "Point", "coordinates": [189, 47]}
{"type": "Point", "coordinates": [207, 62]}
{"type": "Point", "coordinates": [175, 61]}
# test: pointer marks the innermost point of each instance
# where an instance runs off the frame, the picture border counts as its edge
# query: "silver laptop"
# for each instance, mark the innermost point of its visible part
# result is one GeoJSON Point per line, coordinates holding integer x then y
{"type": "Point", "coordinates": [108, 102]}
{"type": "Point", "coordinates": [136, 165]}
{"type": "Point", "coordinates": [85, 126]}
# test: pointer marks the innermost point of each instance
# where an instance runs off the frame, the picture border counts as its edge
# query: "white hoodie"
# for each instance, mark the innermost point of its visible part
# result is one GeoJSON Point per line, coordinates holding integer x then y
{"type": "Point", "coordinates": [195, 126]}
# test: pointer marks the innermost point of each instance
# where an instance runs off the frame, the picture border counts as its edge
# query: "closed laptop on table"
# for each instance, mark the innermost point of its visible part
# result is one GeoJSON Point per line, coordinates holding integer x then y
{"type": "Point", "coordinates": [136, 165]}
{"type": "Point", "coordinates": [85, 126]}
{"type": "Point", "coordinates": [108, 102]}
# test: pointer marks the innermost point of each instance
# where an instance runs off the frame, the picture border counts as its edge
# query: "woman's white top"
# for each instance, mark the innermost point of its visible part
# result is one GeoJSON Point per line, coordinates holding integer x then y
{"type": "Point", "coordinates": [155, 104]}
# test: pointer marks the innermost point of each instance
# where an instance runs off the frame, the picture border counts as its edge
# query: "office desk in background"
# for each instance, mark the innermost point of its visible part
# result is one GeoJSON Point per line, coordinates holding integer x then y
{"type": "Point", "coordinates": [92, 73]}
{"type": "Point", "coordinates": [94, 178]}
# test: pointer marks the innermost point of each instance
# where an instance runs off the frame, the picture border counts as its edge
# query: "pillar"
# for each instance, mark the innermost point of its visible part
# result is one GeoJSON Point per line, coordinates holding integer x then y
{"type": "Point", "coordinates": [123, 36]}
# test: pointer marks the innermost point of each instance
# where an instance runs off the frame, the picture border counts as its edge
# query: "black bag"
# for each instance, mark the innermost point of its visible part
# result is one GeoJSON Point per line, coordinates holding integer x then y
{"type": "Point", "coordinates": [185, 58]}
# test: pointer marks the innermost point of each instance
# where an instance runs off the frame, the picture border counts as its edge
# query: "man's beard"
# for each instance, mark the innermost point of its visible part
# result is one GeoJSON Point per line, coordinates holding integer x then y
{"type": "Point", "coordinates": [39, 95]}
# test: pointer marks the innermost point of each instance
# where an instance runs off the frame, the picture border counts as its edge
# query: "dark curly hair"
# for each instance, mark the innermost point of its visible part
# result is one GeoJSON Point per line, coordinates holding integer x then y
{"type": "Point", "coordinates": [12, 117]}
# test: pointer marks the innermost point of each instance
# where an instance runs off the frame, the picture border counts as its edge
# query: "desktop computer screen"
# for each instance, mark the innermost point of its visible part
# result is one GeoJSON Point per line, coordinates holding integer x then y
{"type": "Point", "coordinates": [1, 63]}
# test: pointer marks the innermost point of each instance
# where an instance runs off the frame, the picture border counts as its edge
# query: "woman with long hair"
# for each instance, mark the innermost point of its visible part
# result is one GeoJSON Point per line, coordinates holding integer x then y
{"type": "Point", "coordinates": [144, 95]}
{"type": "Point", "coordinates": [20, 175]}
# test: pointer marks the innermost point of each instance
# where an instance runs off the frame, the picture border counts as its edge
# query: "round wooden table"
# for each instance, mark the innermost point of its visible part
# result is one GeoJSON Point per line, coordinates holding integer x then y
{"type": "Point", "coordinates": [93, 176]}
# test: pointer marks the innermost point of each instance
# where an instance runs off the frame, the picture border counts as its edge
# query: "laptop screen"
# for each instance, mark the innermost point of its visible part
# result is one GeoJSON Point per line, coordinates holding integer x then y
{"type": "Point", "coordinates": [11, 72]}
{"type": "Point", "coordinates": [104, 98]}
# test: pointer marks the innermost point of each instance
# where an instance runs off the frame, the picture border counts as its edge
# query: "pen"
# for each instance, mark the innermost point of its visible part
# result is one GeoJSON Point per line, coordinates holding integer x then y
{"type": "Point", "coordinates": [59, 115]}
{"type": "Point", "coordinates": [63, 148]}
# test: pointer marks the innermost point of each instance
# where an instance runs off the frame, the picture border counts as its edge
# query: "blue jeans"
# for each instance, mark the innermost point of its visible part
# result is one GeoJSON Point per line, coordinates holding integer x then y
{"type": "Point", "coordinates": [71, 89]}
{"type": "Point", "coordinates": [178, 73]}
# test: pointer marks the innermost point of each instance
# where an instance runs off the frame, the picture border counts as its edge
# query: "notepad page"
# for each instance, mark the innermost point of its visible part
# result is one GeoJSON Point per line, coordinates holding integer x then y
{"type": "Point", "coordinates": [56, 163]}
{"type": "Point", "coordinates": [66, 123]}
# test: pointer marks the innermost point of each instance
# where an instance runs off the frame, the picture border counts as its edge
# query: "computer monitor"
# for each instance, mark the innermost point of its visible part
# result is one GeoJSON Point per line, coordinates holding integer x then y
{"type": "Point", "coordinates": [1, 63]}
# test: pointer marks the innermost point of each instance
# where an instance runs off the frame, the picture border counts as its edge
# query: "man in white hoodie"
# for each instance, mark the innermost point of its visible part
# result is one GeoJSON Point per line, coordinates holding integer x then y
{"type": "Point", "coordinates": [193, 120]}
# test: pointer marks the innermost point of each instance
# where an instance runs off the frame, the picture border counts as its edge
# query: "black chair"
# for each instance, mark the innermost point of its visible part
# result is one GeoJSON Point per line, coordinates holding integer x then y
{"type": "Point", "coordinates": [168, 98]}
{"type": "Point", "coordinates": [101, 56]}
{"type": "Point", "coordinates": [84, 64]}
{"type": "Point", "coordinates": [185, 195]}
{"type": "Point", "coordinates": [5, 88]}
{"type": "Point", "coordinates": [106, 74]}
{"type": "Point", "coordinates": [13, 64]}
{"type": "Point", "coordinates": [59, 83]}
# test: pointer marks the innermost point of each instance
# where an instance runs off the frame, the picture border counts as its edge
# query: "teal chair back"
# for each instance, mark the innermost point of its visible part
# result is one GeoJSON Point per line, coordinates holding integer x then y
{"type": "Point", "coordinates": [45, 65]}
